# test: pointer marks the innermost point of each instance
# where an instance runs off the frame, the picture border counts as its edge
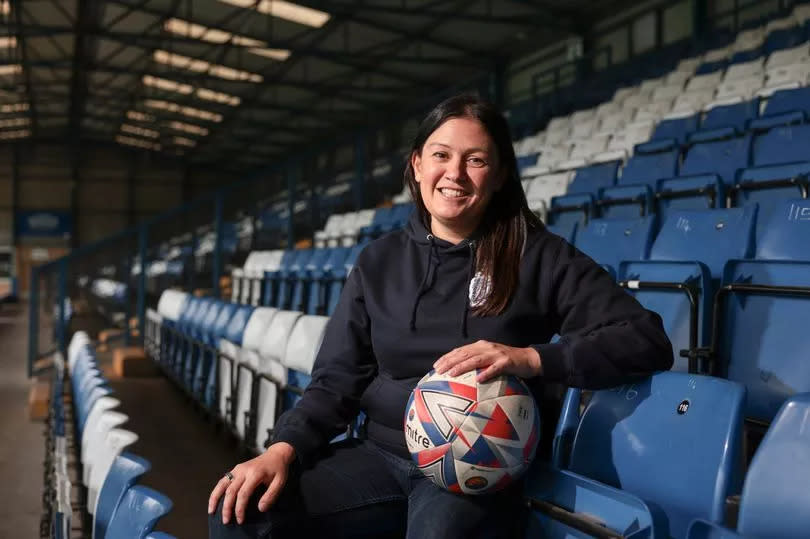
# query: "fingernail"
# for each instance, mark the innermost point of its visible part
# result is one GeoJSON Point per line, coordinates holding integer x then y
{"type": "Point", "coordinates": [225, 520]}
{"type": "Point", "coordinates": [262, 507]}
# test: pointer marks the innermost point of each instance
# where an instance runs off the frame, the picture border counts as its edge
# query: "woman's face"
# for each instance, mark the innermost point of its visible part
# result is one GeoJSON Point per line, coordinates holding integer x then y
{"type": "Point", "coordinates": [458, 172]}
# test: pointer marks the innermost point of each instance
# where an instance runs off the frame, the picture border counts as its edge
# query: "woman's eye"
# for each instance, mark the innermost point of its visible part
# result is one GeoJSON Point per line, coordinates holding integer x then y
{"type": "Point", "coordinates": [440, 155]}
{"type": "Point", "coordinates": [477, 161]}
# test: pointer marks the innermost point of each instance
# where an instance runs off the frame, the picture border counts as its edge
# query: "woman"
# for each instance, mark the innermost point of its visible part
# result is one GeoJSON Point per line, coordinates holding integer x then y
{"type": "Point", "coordinates": [473, 282]}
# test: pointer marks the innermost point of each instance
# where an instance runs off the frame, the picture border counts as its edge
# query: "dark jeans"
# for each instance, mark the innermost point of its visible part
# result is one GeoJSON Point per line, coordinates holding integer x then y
{"type": "Point", "coordinates": [360, 490]}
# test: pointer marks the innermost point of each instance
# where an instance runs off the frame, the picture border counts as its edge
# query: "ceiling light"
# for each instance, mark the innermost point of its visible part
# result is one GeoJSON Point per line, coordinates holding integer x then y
{"type": "Point", "coordinates": [140, 116]}
{"type": "Point", "coordinates": [10, 69]}
{"type": "Point", "coordinates": [140, 131]}
{"type": "Point", "coordinates": [285, 10]}
{"type": "Point", "coordinates": [218, 97]}
{"type": "Point", "coordinates": [137, 142]}
{"type": "Point", "coordinates": [8, 42]}
{"type": "Point", "coordinates": [19, 133]}
{"type": "Point", "coordinates": [200, 66]}
{"type": "Point", "coordinates": [14, 107]}
{"type": "Point", "coordinates": [189, 128]}
{"type": "Point", "coordinates": [15, 122]}
{"type": "Point", "coordinates": [166, 84]}
{"type": "Point", "coordinates": [183, 141]}
{"type": "Point", "coordinates": [215, 35]}
{"type": "Point", "coordinates": [5, 7]}
{"type": "Point", "coordinates": [186, 111]}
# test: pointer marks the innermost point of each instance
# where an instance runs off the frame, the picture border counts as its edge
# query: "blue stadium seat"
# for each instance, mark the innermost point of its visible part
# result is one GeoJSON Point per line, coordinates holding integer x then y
{"type": "Point", "coordinates": [775, 497]}
{"type": "Point", "coordinates": [125, 471]}
{"type": "Point", "coordinates": [685, 268]}
{"type": "Point", "coordinates": [769, 186]}
{"type": "Point", "coordinates": [567, 211]}
{"type": "Point", "coordinates": [303, 276]}
{"type": "Point", "coordinates": [726, 120]}
{"type": "Point", "coordinates": [786, 235]}
{"type": "Point", "coordinates": [220, 368]}
{"type": "Point", "coordinates": [632, 195]}
{"type": "Point", "coordinates": [610, 241]}
{"type": "Point", "coordinates": [593, 178]}
{"type": "Point", "coordinates": [319, 300]}
{"type": "Point", "coordinates": [212, 332]}
{"type": "Point", "coordinates": [784, 38]}
{"type": "Point", "coordinates": [756, 338]}
{"type": "Point", "coordinates": [288, 277]}
{"type": "Point", "coordinates": [137, 513]}
{"type": "Point", "coordinates": [670, 133]}
{"type": "Point", "coordinates": [272, 279]}
{"type": "Point", "coordinates": [711, 67]}
{"type": "Point", "coordinates": [724, 157]}
{"type": "Point", "coordinates": [741, 57]}
{"type": "Point", "coordinates": [698, 192]}
{"type": "Point", "coordinates": [203, 321]}
{"type": "Point", "coordinates": [338, 277]}
{"type": "Point", "coordinates": [642, 460]}
{"type": "Point", "coordinates": [784, 107]}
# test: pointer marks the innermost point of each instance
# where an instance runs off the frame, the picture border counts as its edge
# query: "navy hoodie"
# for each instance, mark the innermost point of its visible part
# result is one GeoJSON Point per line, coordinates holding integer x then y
{"type": "Point", "coordinates": [405, 304]}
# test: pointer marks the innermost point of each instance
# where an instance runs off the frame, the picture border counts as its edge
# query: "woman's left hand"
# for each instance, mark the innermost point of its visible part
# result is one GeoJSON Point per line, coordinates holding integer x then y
{"type": "Point", "coordinates": [493, 358]}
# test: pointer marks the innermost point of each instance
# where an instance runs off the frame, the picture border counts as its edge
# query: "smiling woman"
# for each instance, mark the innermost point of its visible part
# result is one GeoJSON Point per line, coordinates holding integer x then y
{"type": "Point", "coordinates": [475, 282]}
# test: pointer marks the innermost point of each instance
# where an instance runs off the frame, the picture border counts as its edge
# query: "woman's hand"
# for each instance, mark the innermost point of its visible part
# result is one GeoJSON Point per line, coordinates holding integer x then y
{"type": "Point", "coordinates": [493, 357]}
{"type": "Point", "coordinates": [270, 468]}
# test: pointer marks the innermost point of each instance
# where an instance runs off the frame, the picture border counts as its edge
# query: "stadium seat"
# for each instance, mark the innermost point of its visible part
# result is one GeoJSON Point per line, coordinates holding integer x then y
{"type": "Point", "coordinates": [220, 378]}
{"type": "Point", "coordinates": [245, 365]}
{"type": "Point", "coordinates": [268, 378]}
{"type": "Point", "coordinates": [137, 513]}
{"type": "Point", "coordinates": [784, 107]}
{"type": "Point", "coordinates": [124, 472]}
{"type": "Point", "coordinates": [318, 293]}
{"type": "Point", "coordinates": [726, 118]}
{"type": "Point", "coordinates": [774, 497]}
{"type": "Point", "coordinates": [610, 241]}
{"type": "Point", "coordinates": [688, 428]}
{"type": "Point", "coordinates": [685, 267]}
{"type": "Point", "coordinates": [632, 195]}
{"type": "Point", "coordinates": [337, 277]}
{"type": "Point", "coordinates": [566, 234]}
{"type": "Point", "coordinates": [102, 457]}
{"type": "Point", "coordinates": [272, 278]}
{"type": "Point", "coordinates": [786, 234]}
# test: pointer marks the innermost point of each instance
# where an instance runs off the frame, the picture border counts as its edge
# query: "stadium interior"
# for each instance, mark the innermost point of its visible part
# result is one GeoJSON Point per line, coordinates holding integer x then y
{"type": "Point", "coordinates": [187, 185]}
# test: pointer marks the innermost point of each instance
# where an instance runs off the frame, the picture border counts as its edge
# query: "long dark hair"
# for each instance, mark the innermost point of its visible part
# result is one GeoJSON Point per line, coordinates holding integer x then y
{"type": "Point", "coordinates": [500, 237]}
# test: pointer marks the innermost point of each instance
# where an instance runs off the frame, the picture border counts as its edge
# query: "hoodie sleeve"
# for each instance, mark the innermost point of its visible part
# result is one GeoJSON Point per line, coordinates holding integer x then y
{"type": "Point", "coordinates": [606, 335]}
{"type": "Point", "coordinates": [344, 367]}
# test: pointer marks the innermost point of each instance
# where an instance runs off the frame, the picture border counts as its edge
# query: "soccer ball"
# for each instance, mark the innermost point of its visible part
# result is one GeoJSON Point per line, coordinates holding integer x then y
{"type": "Point", "coordinates": [468, 437]}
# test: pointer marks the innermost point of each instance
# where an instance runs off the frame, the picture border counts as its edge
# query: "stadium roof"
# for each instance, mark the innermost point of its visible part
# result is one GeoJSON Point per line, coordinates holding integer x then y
{"type": "Point", "coordinates": [235, 83]}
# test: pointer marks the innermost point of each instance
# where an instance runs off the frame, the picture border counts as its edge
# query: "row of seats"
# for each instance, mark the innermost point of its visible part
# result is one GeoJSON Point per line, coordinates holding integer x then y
{"type": "Point", "coordinates": [259, 365]}
{"type": "Point", "coordinates": [119, 507]}
{"type": "Point", "coordinates": [347, 229]}
{"type": "Point", "coordinates": [663, 458]}
{"type": "Point", "coordinates": [727, 301]}
{"type": "Point", "coordinates": [307, 280]}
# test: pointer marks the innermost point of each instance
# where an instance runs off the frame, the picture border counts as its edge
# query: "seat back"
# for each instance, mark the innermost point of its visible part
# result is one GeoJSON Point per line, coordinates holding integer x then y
{"type": "Point", "coordinates": [781, 145]}
{"type": "Point", "coordinates": [786, 235]}
{"type": "Point", "coordinates": [757, 342]}
{"type": "Point", "coordinates": [299, 356]}
{"type": "Point", "coordinates": [609, 241]}
{"type": "Point", "coordinates": [725, 157]}
{"type": "Point", "coordinates": [676, 127]}
{"type": "Point", "coordinates": [734, 114]}
{"type": "Point", "coordinates": [256, 327]}
{"type": "Point", "coordinates": [124, 472]}
{"type": "Point", "coordinates": [648, 168]}
{"type": "Point", "coordinates": [275, 339]}
{"type": "Point", "coordinates": [709, 236]}
{"type": "Point", "coordinates": [775, 496]}
{"type": "Point", "coordinates": [137, 513]}
{"type": "Point", "coordinates": [592, 179]}
{"type": "Point", "coordinates": [788, 100]}
{"type": "Point", "coordinates": [235, 329]}
{"type": "Point", "coordinates": [686, 427]}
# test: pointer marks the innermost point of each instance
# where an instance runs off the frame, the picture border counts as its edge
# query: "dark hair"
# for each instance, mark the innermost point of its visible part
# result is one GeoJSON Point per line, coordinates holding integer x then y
{"type": "Point", "coordinates": [500, 235]}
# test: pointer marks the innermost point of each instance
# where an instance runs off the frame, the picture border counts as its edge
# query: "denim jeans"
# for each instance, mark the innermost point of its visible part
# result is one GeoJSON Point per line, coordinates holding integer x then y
{"type": "Point", "coordinates": [359, 490]}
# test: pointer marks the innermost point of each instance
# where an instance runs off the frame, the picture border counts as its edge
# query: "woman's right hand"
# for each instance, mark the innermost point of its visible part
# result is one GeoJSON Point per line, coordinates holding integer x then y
{"type": "Point", "coordinates": [270, 468]}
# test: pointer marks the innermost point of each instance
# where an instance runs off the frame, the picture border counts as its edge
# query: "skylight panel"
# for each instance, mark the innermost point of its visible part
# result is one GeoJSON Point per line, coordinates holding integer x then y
{"type": "Point", "coordinates": [137, 142]}
{"type": "Point", "coordinates": [10, 69]}
{"type": "Point", "coordinates": [200, 66]}
{"type": "Point", "coordinates": [166, 84]}
{"type": "Point", "coordinates": [140, 131]}
{"type": "Point", "coordinates": [218, 97]}
{"type": "Point", "coordinates": [189, 128]}
{"type": "Point", "coordinates": [183, 141]}
{"type": "Point", "coordinates": [285, 10]}
{"type": "Point", "coordinates": [8, 42]}
{"type": "Point", "coordinates": [191, 112]}
{"type": "Point", "coordinates": [215, 35]}
{"type": "Point", "coordinates": [15, 134]}
{"type": "Point", "coordinates": [139, 116]}
{"type": "Point", "coordinates": [13, 107]}
{"type": "Point", "coordinates": [15, 122]}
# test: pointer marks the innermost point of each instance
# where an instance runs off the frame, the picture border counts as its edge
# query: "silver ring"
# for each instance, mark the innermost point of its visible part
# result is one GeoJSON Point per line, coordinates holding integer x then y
{"type": "Point", "coordinates": [229, 475]}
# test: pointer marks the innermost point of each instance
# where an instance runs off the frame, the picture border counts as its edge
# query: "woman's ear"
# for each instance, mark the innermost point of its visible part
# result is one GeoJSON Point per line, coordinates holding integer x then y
{"type": "Point", "coordinates": [416, 164]}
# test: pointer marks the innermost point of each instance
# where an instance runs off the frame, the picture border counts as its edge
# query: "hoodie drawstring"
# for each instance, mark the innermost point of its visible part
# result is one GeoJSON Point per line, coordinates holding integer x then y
{"type": "Point", "coordinates": [470, 275]}
{"type": "Point", "coordinates": [422, 286]}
